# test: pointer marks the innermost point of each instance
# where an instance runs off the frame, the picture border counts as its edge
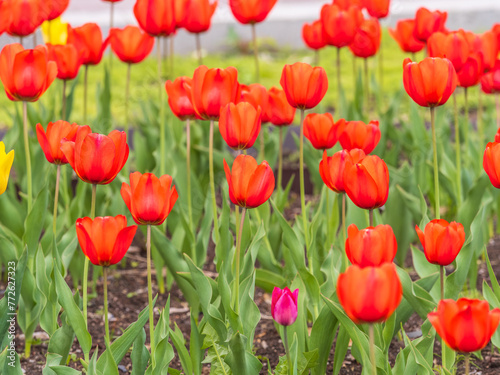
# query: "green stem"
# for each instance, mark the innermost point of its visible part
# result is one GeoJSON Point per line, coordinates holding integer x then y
{"type": "Point", "coordinates": [497, 106]}
{"type": "Point", "coordinates": [327, 208]}
{"type": "Point", "coordinates": [302, 190]}
{"type": "Point", "coordinates": [354, 71]}
{"type": "Point", "coordinates": [280, 160]}
{"type": "Point", "coordinates": [316, 57]}
{"type": "Point", "coordinates": [344, 229]}
{"type": "Point", "coordinates": [441, 279]}
{"type": "Point", "coordinates": [237, 216]}
{"type": "Point", "coordinates": [162, 131]}
{"type": "Point", "coordinates": [106, 319]}
{"type": "Point", "coordinates": [172, 55]}
{"type": "Point", "coordinates": [56, 199]}
{"type": "Point", "coordinates": [372, 348]}
{"type": "Point", "coordinates": [457, 153]}
{"type": "Point", "coordinates": [287, 350]}
{"type": "Point", "coordinates": [127, 119]}
{"type": "Point", "coordinates": [150, 293]}
{"type": "Point", "coordinates": [212, 179]}
{"type": "Point", "coordinates": [262, 149]}
{"type": "Point", "coordinates": [64, 100]}
{"type": "Point", "coordinates": [443, 345]}
{"type": "Point", "coordinates": [480, 126]}
{"type": "Point", "coordinates": [85, 88]}
{"type": "Point", "coordinates": [467, 365]}
{"type": "Point", "coordinates": [158, 59]}
{"type": "Point", "coordinates": [219, 358]}
{"type": "Point", "coordinates": [27, 155]}
{"type": "Point", "coordinates": [198, 48]}
{"type": "Point", "coordinates": [188, 166]}
{"type": "Point", "coordinates": [339, 82]}
{"type": "Point", "coordinates": [367, 87]}
{"type": "Point", "coordinates": [436, 169]}
{"type": "Point", "coordinates": [256, 53]}
{"type": "Point", "coordinates": [238, 261]}
{"type": "Point", "coordinates": [371, 217]}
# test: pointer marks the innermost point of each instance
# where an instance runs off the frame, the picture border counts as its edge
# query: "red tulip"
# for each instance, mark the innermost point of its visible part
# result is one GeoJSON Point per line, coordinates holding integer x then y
{"type": "Point", "coordinates": [96, 158]}
{"type": "Point", "coordinates": [491, 163]}
{"type": "Point", "coordinates": [367, 182]}
{"type": "Point", "coordinates": [490, 82]}
{"type": "Point", "coordinates": [371, 247]}
{"type": "Point", "coordinates": [284, 306]}
{"type": "Point", "coordinates": [198, 15]}
{"type": "Point", "coordinates": [321, 130]}
{"type": "Point", "coordinates": [88, 40]}
{"type": "Point", "coordinates": [332, 168]}
{"type": "Point", "coordinates": [25, 16]}
{"type": "Point", "coordinates": [149, 198]}
{"type": "Point", "coordinates": [251, 11]}
{"type": "Point", "coordinates": [377, 8]}
{"type": "Point", "coordinates": [105, 240]}
{"type": "Point", "coordinates": [250, 184]}
{"type": "Point", "coordinates": [486, 46]}
{"type": "Point", "coordinates": [50, 140]}
{"type": "Point", "coordinates": [430, 82]}
{"type": "Point", "coordinates": [497, 136]}
{"type": "Point", "coordinates": [156, 17]}
{"type": "Point", "coordinates": [340, 25]}
{"type": "Point", "coordinates": [67, 58]}
{"type": "Point", "coordinates": [256, 95]}
{"type": "Point", "coordinates": [367, 39]}
{"type": "Point", "coordinates": [370, 294]}
{"type": "Point", "coordinates": [304, 85]}
{"type": "Point", "coordinates": [314, 35]}
{"type": "Point", "coordinates": [53, 8]}
{"type": "Point", "coordinates": [427, 23]}
{"type": "Point", "coordinates": [454, 46]}
{"type": "Point", "coordinates": [471, 71]}
{"type": "Point", "coordinates": [179, 98]}
{"type": "Point", "coordinates": [357, 134]}
{"type": "Point", "coordinates": [180, 8]}
{"type": "Point", "coordinates": [240, 125]}
{"type": "Point", "coordinates": [212, 89]}
{"type": "Point", "coordinates": [4, 16]}
{"type": "Point", "coordinates": [25, 74]}
{"type": "Point", "coordinates": [404, 35]}
{"type": "Point", "coordinates": [131, 44]}
{"type": "Point", "coordinates": [442, 241]}
{"type": "Point", "coordinates": [496, 30]}
{"type": "Point", "coordinates": [465, 325]}
{"type": "Point", "coordinates": [279, 111]}
{"type": "Point", "coordinates": [346, 4]}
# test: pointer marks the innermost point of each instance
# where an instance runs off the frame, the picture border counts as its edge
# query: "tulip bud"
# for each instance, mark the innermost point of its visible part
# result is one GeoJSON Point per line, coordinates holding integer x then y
{"type": "Point", "coordinates": [357, 134]}
{"type": "Point", "coordinates": [427, 23]}
{"type": "Point", "coordinates": [240, 125]}
{"type": "Point", "coordinates": [371, 247]}
{"type": "Point", "coordinates": [50, 140]}
{"type": "Point", "coordinates": [284, 306]}
{"type": "Point", "coordinates": [314, 35]}
{"type": "Point", "coordinates": [491, 163]}
{"type": "Point", "coordinates": [403, 34]}
{"type": "Point", "coordinates": [332, 168]}
{"type": "Point", "coordinates": [322, 131]}
{"type": "Point", "coordinates": [6, 161]}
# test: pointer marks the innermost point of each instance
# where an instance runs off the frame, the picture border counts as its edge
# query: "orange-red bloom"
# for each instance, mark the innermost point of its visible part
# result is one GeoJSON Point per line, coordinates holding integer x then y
{"type": "Point", "coordinates": [304, 85]}
{"type": "Point", "coordinates": [377, 8]}
{"type": "Point", "coordinates": [88, 40]}
{"type": "Point", "coordinates": [340, 24]}
{"type": "Point", "coordinates": [279, 111]}
{"type": "Point", "coordinates": [367, 39]}
{"type": "Point", "coordinates": [490, 82]}
{"type": "Point", "coordinates": [357, 134]}
{"type": "Point", "coordinates": [491, 163]}
{"type": "Point", "coordinates": [442, 241]}
{"type": "Point", "coordinates": [67, 58]}
{"type": "Point", "coordinates": [250, 184]}
{"type": "Point", "coordinates": [465, 325]}
{"type": "Point", "coordinates": [486, 46]}
{"type": "Point", "coordinates": [179, 98]}
{"type": "Point", "coordinates": [96, 158]}
{"type": "Point", "coordinates": [25, 74]}
{"type": "Point", "coordinates": [367, 182]}
{"type": "Point", "coordinates": [321, 130]}
{"type": "Point", "coordinates": [212, 89]}
{"type": "Point", "coordinates": [371, 247]}
{"type": "Point", "coordinates": [314, 35]}
{"type": "Point", "coordinates": [332, 168]}
{"type": "Point", "coordinates": [105, 240]}
{"type": "Point", "coordinates": [430, 82]}
{"type": "Point", "coordinates": [198, 15]}
{"type": "Point", "coordinates": [427, 23]}
{"type": "Point", "coordinates": [370, 294]}
{"type": "Point", "coordinates": [251, 11]}
{"type": "Point", "coordinates": [471, 71]}
{"type": "Point", "coordinates": [50, 140]}
{"type": "Point", "coordinates": [149, 198]}
{"type": "Point", "coordinates": [454, 46]}
{"type": "Point", "coordinates": [156, 17]}
{"type": "Point", "coordinates": [404, 35]}
{"type": "Point", "coordinates": [239, 125]}
{"type": "Point", "coordinates": [25, 16]}
{"type": "Point", "coordinates": [256, 95]}
{"type": "Point", "coordinates": [131, 44]}
{"type": "Point", "coordinates": [53, 8]}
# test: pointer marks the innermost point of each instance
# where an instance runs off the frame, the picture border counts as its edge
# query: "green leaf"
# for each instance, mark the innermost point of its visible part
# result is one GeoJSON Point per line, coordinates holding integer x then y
{"type": "Point", "coordinates": [139, 355]}
{"type": "Point", "coordinates": [61, 340]}
{"type": "Point", "coordinates": [322, 335]}
{"type": "Point", "coordinates": [239, 360]}
{"type": "Point", "coordinates": [34, 223]}
{"type": "Point", "coordinates": [180, 344]}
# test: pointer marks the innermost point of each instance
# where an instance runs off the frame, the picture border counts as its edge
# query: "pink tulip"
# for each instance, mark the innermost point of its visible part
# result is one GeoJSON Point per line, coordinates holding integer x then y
{"type": "Point", "coordinates": [284, 306]}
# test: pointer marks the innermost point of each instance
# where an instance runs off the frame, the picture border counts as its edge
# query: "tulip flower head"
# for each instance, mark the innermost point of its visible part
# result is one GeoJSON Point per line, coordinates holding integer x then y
{"type": "Point", "coordinates": [471, 71]}
{"type": "Point", "coordinates": [105, 240]}
{"type": "Point", "coordinates": [155, 17]}
{"type": "Point", "coordinates": [491, 163]}
{"type": "Point", "coordinates": [256, 95]}
{"type": "Point", "coordinates": [179, 98]}
{"type": "Point", "coordinates": [369, 294]}
{"type": "Point", "coordinates": [454, 46]}
{"type": "Point", "coordinates": [367, 182]}
{"type": "Point", "coordinates": [366, 42]}
{"type": "Point", "coordinates": [50, 139]}
{"type": "Point", "coordinates": [340, 24]}
{"type": "Point", "coordinates": [198, 16]}
{"type": "Point", "coordinates": [88, 39]}
{"type": "Point", "coordinates": [404, 36]}
{"type": "Point", "coordinates": [96, 158]}
{"type": "Point", "coordinates": [371, 247]}
{"type": "Point", "coordinates": [67, 58]}
{"type": "Point", "coordinates": [25, 74]}
{"type": "Point", "coordinates": [131, 44]}
{"type": "Point", "coordinates": [149, 198]}
{"type": "Point", "coordinates": [53, 9]}
{"type": "Point", "coordinates": [427, 23]}
{"type": "Point", "coordinates": [490, 82]}
{"type": "Point", "coordinates": [377, 8]}
{"type": "Point", "coordinates": [486, 46]}
{"type": "Point", "coordinates": [332, 168]}
{"type": "Point", "coordinates": [239, 125]}
{"type": "Point", "coordinates": [430, 82]}
{"type": "Point", "coordinates": [6, 160]}
{"type": "Point", "coordinates": [284, 306]}
{"type": "Point", "coordinates": [466, 325]}
{"type": "Point", "coordinates": [25, 16]}
{"type": "Point", "coordinates": [314, 35]}
{"type": "Point", "coordinates": [442, 241]}
{"type": "Point", "coordinates": [357, 134]}
{"type": "Point", "coordinates": [250, 184]}
{"type": "Point", "coordinates": [321, 130]}
{"type": "Point", "coordinates": [279, 111]}
{"type": "Point", "coordinates": [251, 11]}
{"type": "Point", "coordinates": [304, 85]}
{"type": "Point", "coordinates": [55, 31]}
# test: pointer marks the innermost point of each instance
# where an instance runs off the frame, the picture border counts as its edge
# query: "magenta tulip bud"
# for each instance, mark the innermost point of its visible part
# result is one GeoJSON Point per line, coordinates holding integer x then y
{"type": "Point", "coordinates": [284, 306]}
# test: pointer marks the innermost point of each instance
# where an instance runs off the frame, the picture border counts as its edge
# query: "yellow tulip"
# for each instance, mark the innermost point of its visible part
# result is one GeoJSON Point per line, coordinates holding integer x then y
{"type": "Point", "coordinates": [6, 161]}
{"type": "Point", "coordinates": [55, 31]}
